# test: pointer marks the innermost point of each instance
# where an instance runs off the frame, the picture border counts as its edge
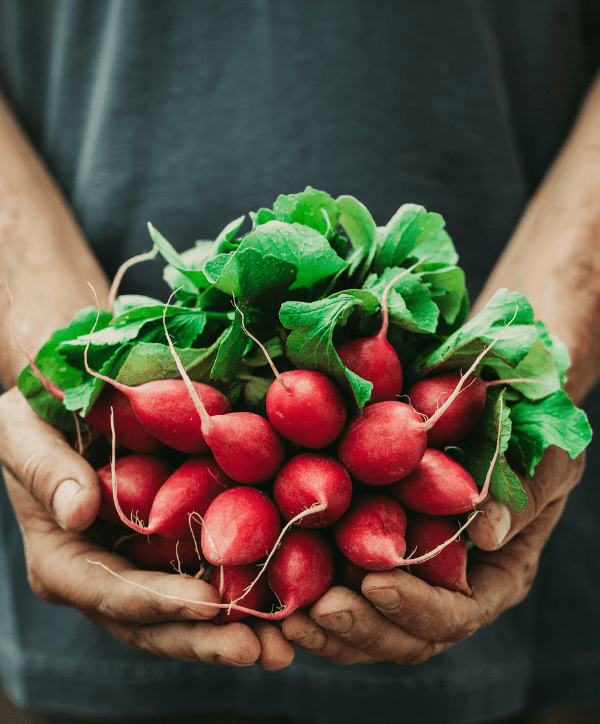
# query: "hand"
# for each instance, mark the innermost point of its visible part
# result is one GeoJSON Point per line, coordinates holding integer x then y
{"type": "Point", "coordinates": [56, 496]}
{"type": "Point", "coordinates": [403, 619]}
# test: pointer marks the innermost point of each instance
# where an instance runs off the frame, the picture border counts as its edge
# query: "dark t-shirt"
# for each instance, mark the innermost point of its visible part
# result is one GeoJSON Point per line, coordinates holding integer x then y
{"type": "Point", "coordinates": [189, 114]}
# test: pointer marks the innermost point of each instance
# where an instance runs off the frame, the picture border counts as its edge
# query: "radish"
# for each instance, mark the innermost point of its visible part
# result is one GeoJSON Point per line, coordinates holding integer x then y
{"type": "Point", "coordinates": [139, 479]}
{"type": "Point", "coordinates": [461, 417]}
{"type": "Point", "coordinates": [129, 430]}
{"type": "Point", "coordinates": [301, 569]}
{"type": "Point", "coordinates": [388, 440]}
{"type": "Point", "coordinates": [463, 414]}
{"type": "Point", "coordinates": [304, 406]}
{"type": "Point", "coordinates": [384, 443]}
{"type": "Point", "coordinates": [373, 358]}
{"type": "Point", "coordinates": [164, 408]}
{"type": "Point", "coordinates": [449, 567]}
{"type": "Point", "coordinates": [232, 582]}
{"type": "Point", "coordinates": [437, 486]}
{"type": "Point", "coordinates": [246, 446]}
{"type": "Point", "coordinates": [190, 489]}
{"type": "Point", "coordinates": [154, 553]}
{"type": "Point", "coordinates": [371, 534]}
{"type": "Point", "coordinates": [240, 526]}
{"type": "Point", "coordinates": [308, 479]}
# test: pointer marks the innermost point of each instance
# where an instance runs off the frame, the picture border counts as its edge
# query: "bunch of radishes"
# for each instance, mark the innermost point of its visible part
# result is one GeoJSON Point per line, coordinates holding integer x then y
{"type": "Point", "coordinates": [309, 485]}
{"type": "Point", "coordinates": [273, 499]}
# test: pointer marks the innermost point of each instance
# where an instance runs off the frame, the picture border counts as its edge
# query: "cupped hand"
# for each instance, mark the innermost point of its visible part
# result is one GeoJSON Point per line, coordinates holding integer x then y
{"type": "Point", "coordinates": [401, 618]}
{"type": "Point", "coordinates": [56, 496]}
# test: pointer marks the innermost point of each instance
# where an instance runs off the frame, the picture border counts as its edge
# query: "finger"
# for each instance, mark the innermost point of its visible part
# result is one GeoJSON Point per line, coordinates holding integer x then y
{"type": "Point", "coordinates": [309, 636]}
{"type": "Point", "coordinates": [44, 464]}
{"type": "Point", "coordinates": [499, 580]}
{"type": "Point", "coordinates": [232, 645]}
{"type": "Point", "coordinates": [276, 652]}
{"type": "Point", "coordinates": [61, 570]}
{"type": "Point", "coordinates": [555, 476]}
{"type": "Point", "coordinates": [357, 623]}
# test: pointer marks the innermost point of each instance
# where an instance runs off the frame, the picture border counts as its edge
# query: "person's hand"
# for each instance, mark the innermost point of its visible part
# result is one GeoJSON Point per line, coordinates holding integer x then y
{"type": "Point", "coordinates": [401, 618]}
{"type": "Point", "coordinates": [56, 496]}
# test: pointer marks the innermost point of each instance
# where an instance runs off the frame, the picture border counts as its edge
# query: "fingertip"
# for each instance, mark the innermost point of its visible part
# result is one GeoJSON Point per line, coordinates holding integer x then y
{"type": "Point", "coordinates": [276, 651]}
{"type": "Point", "coordinates": [239, 646]}
{"type": "Point", "coordinates": [75, 506]}
{"type": "Point", "coordinates": [490, 530]}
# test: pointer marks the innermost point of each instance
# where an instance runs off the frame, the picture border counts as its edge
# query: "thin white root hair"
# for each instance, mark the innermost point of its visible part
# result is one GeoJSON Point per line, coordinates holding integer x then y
{"type": "Point", "coordinates": [315, 508]}
{"type": "Point", "coordinates": [440, 548]}
{"type": "Point", "coordinates": [262, 347]}
{"type": "Point", "coordinates": [488, 477]}
{"type": "Point", "coordinates": [114, 288]}
{"type": "Point", "coordinates": [436, 416]}
{"type": "Point", "coordinates": [200, 409]}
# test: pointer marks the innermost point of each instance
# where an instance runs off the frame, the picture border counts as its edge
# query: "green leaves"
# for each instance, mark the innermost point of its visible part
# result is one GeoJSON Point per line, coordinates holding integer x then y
{"type": "Point", "coordinates": [551, 421]}
{"type": "Point", "coordinates": [272, 260]}
{"type": "Point", "coordinates": [480, 448]}
{"type": "Point", "coordinates": [413, 233]}
{"type": "Point", "coordinates": [410, 304]}
{"type": "Point", "coordinates": [507, 318]}
{"type": "Point", "coordinates": [310, 345]}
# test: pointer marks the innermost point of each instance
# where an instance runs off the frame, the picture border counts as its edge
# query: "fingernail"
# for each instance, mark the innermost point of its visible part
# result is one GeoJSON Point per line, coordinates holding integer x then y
{"type": "Point", "coordinates": [64, 498]}
{"type": "Point", "coordinates": [314, 640]}
{"type": "Point", "coordinates": [230, 662]}
{"type": "Point", "coordinates": [500, 520]}
{"type": "Point", "coordinates": [340, 622]}
{"type": "Point", "coordinates": [386, 598]}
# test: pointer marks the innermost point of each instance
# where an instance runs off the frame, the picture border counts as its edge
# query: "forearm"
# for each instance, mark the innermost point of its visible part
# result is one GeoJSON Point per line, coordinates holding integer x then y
{"type": "Point", "coordinates": [44, 259]}
{"type": "Point", "coordinates": [553, 257]}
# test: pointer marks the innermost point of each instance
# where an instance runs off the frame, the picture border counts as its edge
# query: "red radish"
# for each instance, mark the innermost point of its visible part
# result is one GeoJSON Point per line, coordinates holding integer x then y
{"type": "Point", "coordinates": [384, 443]}
{"type": "Point", "coordinates": [232, 582]}
{"type": "Point", "coordinates": [240, 526]}
{"type": "Point", "coordinates": [387, 441]}
{"type": "Point", "coordinates": [308, 479]}
{"type": "Point", "coordinates": [449, 567]}
{"type": "Point", "coordinates": [190, 489]}
{"type": "Point", "coordinates": [437, 486]}
{"type": "Point", "coordinates": [139, 478]}
{"type": "Point", "coordinates": [306, 407]}
{"type": "Point", "coordinates": [301, 569]}
{"type": "Point", "coordinates": [460, 418]}
{"type": "Point", "coordinates": [244, 444]}
{"type": "Point", "coordinates": [371, 534]}
{"type": "Point", "coordinates": [462, 415]}
{"type": "Point", "coordinates": [129, 431]}
{"type": "Point", "coordinates": [164, 408]}
{"type": "Point", "coordinates": [349, 575]}
{"type": "Point", "coordinates": [373, 358]}
{"type": "Point", "coordinates": [154, 553]}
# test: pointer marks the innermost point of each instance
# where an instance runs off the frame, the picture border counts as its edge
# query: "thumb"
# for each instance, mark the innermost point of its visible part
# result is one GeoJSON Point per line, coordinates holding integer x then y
{"type": "Point", "coordinates": [45, 465]}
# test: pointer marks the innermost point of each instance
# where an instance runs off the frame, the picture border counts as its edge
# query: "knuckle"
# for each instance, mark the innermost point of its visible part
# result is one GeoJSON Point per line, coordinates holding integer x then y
{"type": "Point", "coordinates": [37, 473]}
{"type": "Point", "coordinates": [40, 588]}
